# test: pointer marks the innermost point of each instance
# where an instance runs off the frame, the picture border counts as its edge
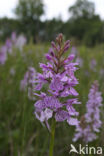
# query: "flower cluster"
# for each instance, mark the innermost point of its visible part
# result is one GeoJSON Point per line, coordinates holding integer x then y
{"type": "Point", "coordinates": [58, 77]}
{"type": "Point", "coordinates": [7, 48]}
{"type": "Point", "coordinates": [18, 41]}
{"type": "Point", "coordinates": [27, 82]}
{"type": "Point", "coordinates": [90, 122]}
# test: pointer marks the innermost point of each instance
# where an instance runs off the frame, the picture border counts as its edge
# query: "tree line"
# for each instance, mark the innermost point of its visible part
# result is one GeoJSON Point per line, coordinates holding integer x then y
{"type": "Point", "coordinates": [83, 26]}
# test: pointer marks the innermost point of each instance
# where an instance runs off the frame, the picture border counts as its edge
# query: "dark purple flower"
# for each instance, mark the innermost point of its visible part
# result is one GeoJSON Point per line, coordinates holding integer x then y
{"type": "Point", "coordinates": [8, 44]}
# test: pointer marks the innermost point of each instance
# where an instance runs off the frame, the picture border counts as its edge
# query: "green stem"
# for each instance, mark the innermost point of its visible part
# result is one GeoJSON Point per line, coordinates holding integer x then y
{"type": "Point", "coordinates": [52, 137]}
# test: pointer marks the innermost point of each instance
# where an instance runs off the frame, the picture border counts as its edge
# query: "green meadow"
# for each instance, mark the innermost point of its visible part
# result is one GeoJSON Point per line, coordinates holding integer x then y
{"type": "Point", "coordinates": [20, 131]}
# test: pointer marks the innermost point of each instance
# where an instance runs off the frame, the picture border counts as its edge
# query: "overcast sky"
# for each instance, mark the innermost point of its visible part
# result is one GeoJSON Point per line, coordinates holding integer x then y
{"type": "Point", "coordinates": [53, 8]}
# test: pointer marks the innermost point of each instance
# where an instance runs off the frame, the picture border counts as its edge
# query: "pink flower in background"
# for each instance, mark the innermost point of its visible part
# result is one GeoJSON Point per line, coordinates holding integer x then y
{"type": "Point", "coordinates": [7, 48]}
{"type": "Point", "coordinates": [14, 37]}
{"type": "Point", "coordinates": [27, 82]}
{"type": "Point", "coordinates": [58, 75]}
{"type": "Point", "coordinates": [93, 64]}
{"type": "Point", "coordinates": [90, 123]}
{"type": "Point", "coordinates": [20, 42]}
{"type": "Point", "coordinates": [8, 44]}
{"type": "Point", "coordinates": [24, 82]}
{"type": "Point", "coordinates": [3, 54]}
